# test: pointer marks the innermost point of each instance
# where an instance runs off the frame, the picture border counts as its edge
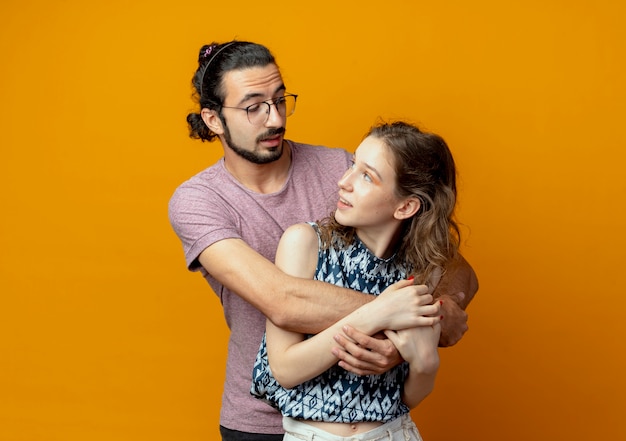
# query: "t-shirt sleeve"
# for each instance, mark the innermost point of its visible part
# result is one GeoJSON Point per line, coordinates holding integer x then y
{"type": "Point", "coordinates": [200, 217]}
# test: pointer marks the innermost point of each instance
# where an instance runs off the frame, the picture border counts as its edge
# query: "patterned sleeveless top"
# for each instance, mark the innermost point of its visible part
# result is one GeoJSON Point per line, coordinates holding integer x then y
{"type": "Point", "coordinates": [337, 395]}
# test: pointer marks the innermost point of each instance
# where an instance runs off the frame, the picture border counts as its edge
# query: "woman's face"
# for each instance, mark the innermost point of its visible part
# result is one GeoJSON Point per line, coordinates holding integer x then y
{"type": "Point", "coordinates": [367, 189]}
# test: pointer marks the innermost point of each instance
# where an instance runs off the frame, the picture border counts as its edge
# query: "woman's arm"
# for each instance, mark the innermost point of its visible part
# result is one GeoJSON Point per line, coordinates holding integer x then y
{"type": "Point", "coordinates": [294, 359]}
{"type": "Point", "coordinates": [418, 346]}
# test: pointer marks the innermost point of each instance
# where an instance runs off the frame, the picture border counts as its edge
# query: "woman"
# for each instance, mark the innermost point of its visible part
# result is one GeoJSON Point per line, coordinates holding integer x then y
{"type": "Point", "coordinates": [393, 221]}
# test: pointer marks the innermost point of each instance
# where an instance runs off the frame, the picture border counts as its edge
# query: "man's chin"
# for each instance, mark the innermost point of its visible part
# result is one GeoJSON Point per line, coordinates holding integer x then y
{"type": "Point", "coordinates": [270, 154]}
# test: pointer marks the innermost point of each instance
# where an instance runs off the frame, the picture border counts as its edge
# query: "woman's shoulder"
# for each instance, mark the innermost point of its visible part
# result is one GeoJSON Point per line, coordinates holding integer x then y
{"type": "Point", "coordinates": [301, 234]}
{"type": "Point", "coordinates": [297, 251]}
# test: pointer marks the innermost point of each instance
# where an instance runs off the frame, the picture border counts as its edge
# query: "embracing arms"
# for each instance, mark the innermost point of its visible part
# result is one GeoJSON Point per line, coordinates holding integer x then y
{"type": "Point", "coordinates": [289, 302]}
{"type": "Point", "coordinates": [293, 303]}
{"type": "Point", "coordinates": [295, 359]}
{"type": "Point", "coordinates": [366, 355]}
{"type": "Point", "coordinates": [307, 306]}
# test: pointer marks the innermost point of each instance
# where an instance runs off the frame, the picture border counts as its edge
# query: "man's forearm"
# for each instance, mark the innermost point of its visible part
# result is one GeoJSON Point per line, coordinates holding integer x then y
{"type": "Point", "coordinates": [459, 277]}
{"type": "Point", "coordinates": [312, 306]}
{"type": "Point", "coordinates": [315, 305]}
{"type": "Point", "coordinates": [293, 303]}
{"type": "Point", "coordinates": [456, 289]}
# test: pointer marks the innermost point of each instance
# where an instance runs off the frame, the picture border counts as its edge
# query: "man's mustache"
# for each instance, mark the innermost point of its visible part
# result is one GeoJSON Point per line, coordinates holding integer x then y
{"type": "Point", "coordinates": [270, 133]}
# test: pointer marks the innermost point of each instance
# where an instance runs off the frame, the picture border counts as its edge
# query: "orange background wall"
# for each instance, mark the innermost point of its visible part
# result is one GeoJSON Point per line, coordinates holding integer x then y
{"type": "Point", "coordinates": [105, 336]}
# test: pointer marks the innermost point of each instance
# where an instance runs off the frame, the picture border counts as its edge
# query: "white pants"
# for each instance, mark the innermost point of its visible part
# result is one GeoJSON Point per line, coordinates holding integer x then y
{"type": "Point", "coordinates": [400, 429]}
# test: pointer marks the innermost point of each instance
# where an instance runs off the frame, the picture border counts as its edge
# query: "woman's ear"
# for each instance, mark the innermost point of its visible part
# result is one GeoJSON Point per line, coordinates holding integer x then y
{"type": "Point", "coordinates": [212, 121]}
{"type": "Point", "coordinates": [408, 208]}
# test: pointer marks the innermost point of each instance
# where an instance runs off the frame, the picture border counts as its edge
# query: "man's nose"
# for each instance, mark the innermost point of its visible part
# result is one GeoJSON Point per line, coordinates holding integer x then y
{"type": "Point", "coordinates": [274, 118]}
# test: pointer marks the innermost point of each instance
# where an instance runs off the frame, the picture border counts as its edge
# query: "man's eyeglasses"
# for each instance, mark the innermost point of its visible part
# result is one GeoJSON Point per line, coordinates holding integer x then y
{"type": "Point", "coordinates": [258, 113]}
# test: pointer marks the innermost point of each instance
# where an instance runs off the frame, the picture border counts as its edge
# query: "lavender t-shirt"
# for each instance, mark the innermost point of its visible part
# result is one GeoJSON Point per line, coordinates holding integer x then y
{"type": "Point", "coordinates": [213, 206]}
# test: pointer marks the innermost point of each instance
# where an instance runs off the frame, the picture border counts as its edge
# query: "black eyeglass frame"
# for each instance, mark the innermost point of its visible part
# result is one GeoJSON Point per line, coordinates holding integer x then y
{"type": "Point", "coordinates": [274, 101]}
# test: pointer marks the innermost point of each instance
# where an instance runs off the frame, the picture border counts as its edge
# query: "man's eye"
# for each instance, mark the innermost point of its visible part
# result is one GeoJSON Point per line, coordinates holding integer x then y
{"type": "Point", "coordinates": [280, 100]}
{"type": "Point", "coordinates": [254, 108]}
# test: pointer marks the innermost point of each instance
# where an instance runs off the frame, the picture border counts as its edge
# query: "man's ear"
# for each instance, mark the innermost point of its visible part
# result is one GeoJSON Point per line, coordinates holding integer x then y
{"type": "Point", "coordinates": [212, 121]}
{"type": "Point", "coordinates": [408, 208]}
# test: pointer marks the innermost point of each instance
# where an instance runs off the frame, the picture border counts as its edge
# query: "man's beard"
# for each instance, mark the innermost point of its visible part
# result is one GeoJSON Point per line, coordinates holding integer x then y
{"type": "Point", "coordinates": [252, 156]}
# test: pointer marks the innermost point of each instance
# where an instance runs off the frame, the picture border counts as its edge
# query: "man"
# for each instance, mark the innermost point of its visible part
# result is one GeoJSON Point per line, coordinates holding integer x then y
{"type": "Point", "coordinates": [230, 217]}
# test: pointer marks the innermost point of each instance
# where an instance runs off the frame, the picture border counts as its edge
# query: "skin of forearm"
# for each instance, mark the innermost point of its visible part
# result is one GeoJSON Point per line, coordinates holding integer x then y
{"type": "Point", "coordinates": [294, 303]}
{"type": "Point", "coordinates": [308, 358]}
{"type": "Point", "coordinates": [417, 387]}
{"type": "Point", "coordinates": [311, 306]}
{"type": "Point", "coordinates": [419, 348]}
{"type": "Point", "coordinates": [459, 277]}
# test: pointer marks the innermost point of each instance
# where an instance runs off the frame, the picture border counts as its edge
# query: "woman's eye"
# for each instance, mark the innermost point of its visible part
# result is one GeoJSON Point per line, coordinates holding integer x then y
{"type": "Point", "coordinates": [367, 177]}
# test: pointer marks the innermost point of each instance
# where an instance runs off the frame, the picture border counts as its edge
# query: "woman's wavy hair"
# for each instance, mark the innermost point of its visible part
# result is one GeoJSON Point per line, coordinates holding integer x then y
{"type": "Point", "coordinates": [214, 61]}
{"type": "Point", "coordinates": [424, 169]}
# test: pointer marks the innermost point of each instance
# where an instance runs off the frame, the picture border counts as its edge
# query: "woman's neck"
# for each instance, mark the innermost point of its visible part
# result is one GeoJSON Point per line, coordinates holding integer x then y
{"type": "Point", "coordinates": [382, 242]}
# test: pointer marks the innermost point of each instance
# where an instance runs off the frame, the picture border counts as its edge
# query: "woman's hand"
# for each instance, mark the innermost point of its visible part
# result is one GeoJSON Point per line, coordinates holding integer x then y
{"type": "Point", "coordinates": [404, 305]}
{"type": "Point", "coordinates": [418, 346]}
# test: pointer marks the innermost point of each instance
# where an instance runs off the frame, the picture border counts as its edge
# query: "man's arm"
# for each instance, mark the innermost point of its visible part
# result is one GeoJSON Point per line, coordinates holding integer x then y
{"type": "Point", "coordinates": [364, 355]}
{"type": "Point", "coordinates": [295, 304]}
{"type": "Point", "coordinates": [458, 278]}
{"type": "Point", "coordinates": [295, 359]}
{"type": "Point", "coordinates": [456, 289]}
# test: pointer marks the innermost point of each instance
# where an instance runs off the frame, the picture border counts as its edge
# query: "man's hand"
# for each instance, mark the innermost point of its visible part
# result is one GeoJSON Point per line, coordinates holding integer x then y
{"type": "Point", "coordinates": [364, 355]}
{"type": "Point", "coordinates": [454, 323]}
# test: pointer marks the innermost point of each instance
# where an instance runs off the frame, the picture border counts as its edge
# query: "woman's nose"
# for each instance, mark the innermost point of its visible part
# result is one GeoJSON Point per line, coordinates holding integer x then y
{"type": "Point", "coordinates": [344, 182]}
